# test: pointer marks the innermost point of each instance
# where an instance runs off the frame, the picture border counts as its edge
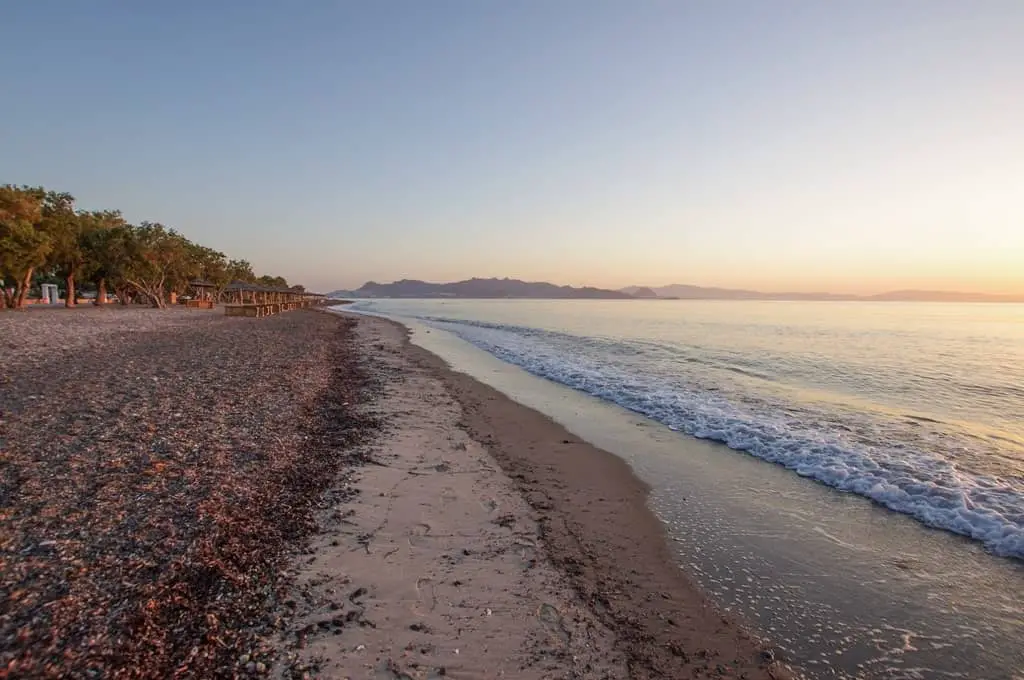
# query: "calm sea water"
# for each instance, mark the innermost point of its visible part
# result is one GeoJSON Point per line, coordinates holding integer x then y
{"type": "Point", "coordinates": [917, 406]}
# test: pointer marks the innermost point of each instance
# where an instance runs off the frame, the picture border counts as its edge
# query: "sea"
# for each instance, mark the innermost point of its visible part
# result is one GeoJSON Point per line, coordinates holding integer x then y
{"type": "Point", "coordinates": [852, 451]}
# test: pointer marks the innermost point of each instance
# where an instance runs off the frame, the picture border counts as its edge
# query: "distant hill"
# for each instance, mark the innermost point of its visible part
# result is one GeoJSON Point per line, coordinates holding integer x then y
{"type": "Point", "coordinates": [688, 292]}
{"type": "Point", "coordinates": [483, 288]}
{"type": "Point", "coordinates": [640, 292]}
{"type": "Point", "coordinates": [514, 288]}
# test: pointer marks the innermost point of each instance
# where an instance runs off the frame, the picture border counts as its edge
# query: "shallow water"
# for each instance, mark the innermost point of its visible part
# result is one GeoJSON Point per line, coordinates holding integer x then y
{"type": "Point", "coordinates": [919, 407]}
{"type": "Point", "coordinates": [841, 587]}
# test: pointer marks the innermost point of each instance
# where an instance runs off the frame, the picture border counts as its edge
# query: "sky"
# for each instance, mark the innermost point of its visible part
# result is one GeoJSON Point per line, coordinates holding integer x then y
{"type": "Point", "coordinates": [849, 146]}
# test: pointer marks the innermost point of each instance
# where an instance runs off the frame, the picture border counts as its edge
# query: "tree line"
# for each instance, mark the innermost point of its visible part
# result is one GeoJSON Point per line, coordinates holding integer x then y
{"type": "Point", "coordinates": [44, 237]}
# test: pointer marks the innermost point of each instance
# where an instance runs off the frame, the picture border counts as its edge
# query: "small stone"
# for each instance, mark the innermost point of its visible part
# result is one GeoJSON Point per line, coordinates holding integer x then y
{"type": "Point", "coordinates": [244, 659]}
{"type": "Point", "coordinates": [261, 668]}
{"type": "Point", "coordinates": [250, 667]}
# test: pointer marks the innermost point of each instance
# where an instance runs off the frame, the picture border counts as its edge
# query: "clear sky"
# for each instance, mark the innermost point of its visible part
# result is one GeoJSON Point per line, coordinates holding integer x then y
{"type": "Point", "coordinates": [847, 145]}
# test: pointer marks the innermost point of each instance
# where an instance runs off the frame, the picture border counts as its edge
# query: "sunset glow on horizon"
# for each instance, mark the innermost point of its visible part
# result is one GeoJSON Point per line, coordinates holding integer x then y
{"type": "Point", "coordinates": [847, 147]}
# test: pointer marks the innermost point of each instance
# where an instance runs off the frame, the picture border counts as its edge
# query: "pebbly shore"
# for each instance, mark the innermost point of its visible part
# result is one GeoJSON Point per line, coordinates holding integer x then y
{"type": "Point", "coordinates": [157, 468]}
{"type": "Point", "coordinates": [309, 495]}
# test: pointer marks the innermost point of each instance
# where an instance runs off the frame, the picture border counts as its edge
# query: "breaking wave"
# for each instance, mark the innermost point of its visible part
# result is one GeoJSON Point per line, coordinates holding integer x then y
{"type": "Point", "coordinates": [854, 456]}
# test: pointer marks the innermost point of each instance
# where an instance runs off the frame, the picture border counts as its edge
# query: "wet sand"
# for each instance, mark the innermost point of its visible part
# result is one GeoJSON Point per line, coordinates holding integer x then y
{"type": "Point", "coordinates": [840, 586]}
{"type": "Point", "coordinates": [309, 495]}
{"type": "Point", "coordinates": [490, 542]}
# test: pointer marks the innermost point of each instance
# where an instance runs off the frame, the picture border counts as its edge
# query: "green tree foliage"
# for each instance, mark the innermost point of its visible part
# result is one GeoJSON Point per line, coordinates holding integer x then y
{"type": "Point", "coordinates": [158, 257]}
{"type": "Point", "coordinates": [241, 270]}
{"type": "Point", "coordinates": [44, 238]}
{"type": "Point", "coordinates": [272, 281]}
{"type": "Point", "coordinates": [24, 245]}
{"type": "Point", "coordinates": [73, 234]}
{"type": "Point", "coordinates": [105, 245]}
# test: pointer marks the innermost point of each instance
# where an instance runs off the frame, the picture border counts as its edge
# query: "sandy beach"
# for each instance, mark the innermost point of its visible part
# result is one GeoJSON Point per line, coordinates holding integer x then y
{"type": "Point", "coordinates": [309, 495]}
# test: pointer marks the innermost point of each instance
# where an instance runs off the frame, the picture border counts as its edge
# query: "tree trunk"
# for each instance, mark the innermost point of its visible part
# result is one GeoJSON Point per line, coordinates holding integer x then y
{"type": "Point", "coordinates": [122, 295]}
{"type": "Point", "coordinates": [22, 289]}
{"type": "Point", "coordinates": [69, 294]}
{"type": "Point", "coordinates": [151, 291]}
{"type": "Point", "coordinates": [101, 292]}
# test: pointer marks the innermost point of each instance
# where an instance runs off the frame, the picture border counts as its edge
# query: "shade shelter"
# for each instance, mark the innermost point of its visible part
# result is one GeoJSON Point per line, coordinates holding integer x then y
{"type": "Point", "coordinates": [204, 294]}
{"type": "Point", "coordinates": [249, 299]}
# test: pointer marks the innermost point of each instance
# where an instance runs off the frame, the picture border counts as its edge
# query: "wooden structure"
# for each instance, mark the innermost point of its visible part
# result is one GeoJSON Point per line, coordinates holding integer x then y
{"type": "Point", "coordinates": [252, 300]}
{"type": "Point", "coordinates": [205, 294]}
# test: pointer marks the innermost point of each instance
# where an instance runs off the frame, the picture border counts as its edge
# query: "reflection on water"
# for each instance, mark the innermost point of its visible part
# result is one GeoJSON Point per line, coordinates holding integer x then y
{"type": "Point", "coordinates": [844, 588]}
{"type": "Point", "coordinates": [915, 406]}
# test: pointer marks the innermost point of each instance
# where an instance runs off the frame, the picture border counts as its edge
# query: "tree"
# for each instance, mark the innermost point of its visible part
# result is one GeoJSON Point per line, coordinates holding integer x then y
{"type": "Point", "coordinates": [24, 245]}
{"type": "Point", "coordinates": [241, 270]}
{"type": "Point", "coordinates": [156, 256]}
{"type": "Point", "coordinates": [43, 239]}
{"type": "Point", "coordinates": [66, 228]}
{"type": "Point", "coordinates": [272, 281]}
{"type": "Point", "coordinates": [234, 270]}
{"type": "Point", "coordinates": [211, 266]}
{"type": "Point", "coordinates": [102, 244]}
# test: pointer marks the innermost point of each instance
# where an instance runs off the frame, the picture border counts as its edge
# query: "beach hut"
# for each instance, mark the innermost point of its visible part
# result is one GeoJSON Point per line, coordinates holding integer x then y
{"type": "Point", "coordinates": [247, 299]}
{"type": "Point", "coordinates": [203, 293]}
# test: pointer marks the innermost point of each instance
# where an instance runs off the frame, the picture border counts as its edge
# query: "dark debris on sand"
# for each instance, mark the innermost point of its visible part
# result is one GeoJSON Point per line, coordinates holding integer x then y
{"type": "Point", "coordinates": [153, 482]}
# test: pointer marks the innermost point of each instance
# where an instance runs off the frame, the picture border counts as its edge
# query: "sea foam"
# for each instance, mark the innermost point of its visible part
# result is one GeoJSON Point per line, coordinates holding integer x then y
{"type": "Point", "coordinates": [920, 483]}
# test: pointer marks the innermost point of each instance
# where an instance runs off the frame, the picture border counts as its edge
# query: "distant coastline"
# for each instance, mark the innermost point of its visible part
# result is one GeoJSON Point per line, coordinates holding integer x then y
{"type": "Point", "coordinates": [484, 289]}
{"type": "Point", "coordinates": [690, 292]}
{"type": "Point", "coordinates": [505, 288]}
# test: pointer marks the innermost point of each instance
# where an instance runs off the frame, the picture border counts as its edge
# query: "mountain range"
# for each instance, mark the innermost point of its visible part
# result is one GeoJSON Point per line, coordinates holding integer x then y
{"type": "Point", "coordinates": [480, 288]}
{"type": "Point", "coordinates": [514, 288]}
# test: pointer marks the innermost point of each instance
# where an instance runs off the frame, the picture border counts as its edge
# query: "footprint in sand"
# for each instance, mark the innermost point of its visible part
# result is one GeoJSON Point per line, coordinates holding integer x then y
{"type": "Point", "coordinates": [426, 601]}
{"type": "Point", "coordinates": [419, 534]}
{"type": "Point", "coordinates": [552, 620]}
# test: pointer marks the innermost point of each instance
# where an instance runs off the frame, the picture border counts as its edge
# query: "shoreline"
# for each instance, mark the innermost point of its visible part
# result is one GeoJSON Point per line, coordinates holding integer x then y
{"type": "Point", "coordinates": [840, 585]}
{"type": "Point", "coordinates": [598, 532]}
{"type": "Point", "coordinates": [311, 495]}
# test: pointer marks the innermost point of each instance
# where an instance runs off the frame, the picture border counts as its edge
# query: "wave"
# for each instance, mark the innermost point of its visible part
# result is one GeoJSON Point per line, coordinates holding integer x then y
{"type": "Point", "coordinates": [648, 379]}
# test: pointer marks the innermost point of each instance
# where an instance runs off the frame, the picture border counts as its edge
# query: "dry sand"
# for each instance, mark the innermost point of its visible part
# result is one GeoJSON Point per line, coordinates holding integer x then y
{"type": "Point", "coordinates": [214, 498]}
{"type": "Point", "coordinates": [436, 568]}
{"type": "Point", "coordinates": [489, 542]}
